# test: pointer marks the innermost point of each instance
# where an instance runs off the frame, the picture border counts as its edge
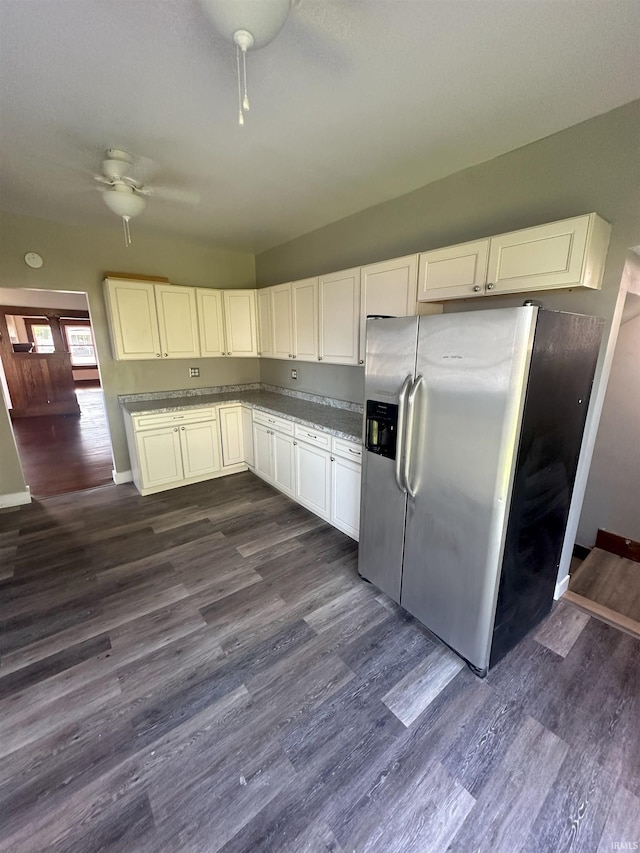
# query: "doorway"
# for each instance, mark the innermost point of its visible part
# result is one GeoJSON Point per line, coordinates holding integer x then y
{"type": "Point", "coordinates": [51, 385]}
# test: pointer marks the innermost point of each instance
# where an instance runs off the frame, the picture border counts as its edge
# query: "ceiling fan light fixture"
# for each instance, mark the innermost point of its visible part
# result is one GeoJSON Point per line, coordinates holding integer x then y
{"type": "Point", "coordinates": [248, 24]}
{"type": "Point", "coordinates": [124, 201]}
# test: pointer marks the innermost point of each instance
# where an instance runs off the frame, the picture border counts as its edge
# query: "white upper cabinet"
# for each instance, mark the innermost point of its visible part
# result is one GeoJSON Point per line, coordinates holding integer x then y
{"type": "Point", "coordinates": [455, 272]}
{"type": "Point", "coordinates": [133, 319]}
{"type": "Point", "coordinates": [388, 289]}
{"type": "Point", "coordinates": [339, 317]}
{"type": "Point", "coordinates": [265, 334]}
{"type": "Point", "coordinates": [149, 320]}
{"type": "Point", "coordinates": [569, 253]}
{"type": "Point", "coordinates": [211, 322]}
{"type": "Point", "coordinates": [240, 324]}
{"type": "Point", "coordinates": [304, 313]}
{"type": "Point", "coordinates": [282, 333]}
{"type": "Point", "coordinates": [178, 321]}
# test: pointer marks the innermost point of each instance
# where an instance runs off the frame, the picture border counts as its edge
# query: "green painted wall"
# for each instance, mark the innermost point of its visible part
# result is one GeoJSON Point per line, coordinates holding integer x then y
{"type": "Point", "coordinates": [75, 259]}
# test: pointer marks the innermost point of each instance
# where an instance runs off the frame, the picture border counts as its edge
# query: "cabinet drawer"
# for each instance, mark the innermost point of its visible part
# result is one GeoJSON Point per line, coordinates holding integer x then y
{"type": "Point", "coordinates": [347, 449]}
{"type": "Point", "coordinates": [313, 436]}
{"type": "Point", "coordinates": [186, 416]}
{"type": "Point", "coordinates": [273, 422]}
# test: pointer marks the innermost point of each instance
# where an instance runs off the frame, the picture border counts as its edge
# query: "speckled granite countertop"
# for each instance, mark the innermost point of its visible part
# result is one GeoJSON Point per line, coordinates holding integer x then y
{"type": "Point", "coordinates": [336, 421]}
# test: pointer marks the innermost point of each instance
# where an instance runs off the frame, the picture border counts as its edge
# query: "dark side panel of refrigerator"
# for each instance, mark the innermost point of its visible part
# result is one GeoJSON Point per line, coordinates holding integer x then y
{"type": "Point", "coordinates": [565, 352]}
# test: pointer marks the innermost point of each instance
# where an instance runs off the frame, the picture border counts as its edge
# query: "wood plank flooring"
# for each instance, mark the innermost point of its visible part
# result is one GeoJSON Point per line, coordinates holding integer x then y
{"type": "Point", "coordinates": [66, 453]}
{"type": "Point", "coordinates": [609, 580]}
{"type": "Point", "coordinates": [203, 670]}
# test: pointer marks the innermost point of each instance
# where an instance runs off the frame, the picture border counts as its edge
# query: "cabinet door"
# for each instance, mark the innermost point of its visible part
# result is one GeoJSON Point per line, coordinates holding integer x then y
{"type": "Point", "coordinates": [283, 464]}
{"type": "Point", "coordinates": [304, 310]}
{"type": "Point", "coordinates": [281, 321]}
{"type": "Point", "coordinates": [231, 435]}
{"type": "Point", "coordinates": [262, 451]}
{"type": "Point", "coordinates": [455, 272]}
{"type": "Point", "coordinates": [178, 321]}
{"type": "Point", "coordinates": [313, 478]}
{"type": "Point", "coordinates": [210, 322]}
{"type": "Point", "coordinates": [539, 258]}
{"type": "Point", "coordinates": [265, 342]}
{"type": "Point", "coordinates": [389, 289]}
{"type": "Point", "coordinates": [133, 320]}
{"type": "Point", "coordinates": [240, 323]}
{"type": "Point", "coordinates": [339, 315]}
{"type": "Point", "coordinates": [345, 496]}
{"type": "Point", "coordinates": [159, 455]}
{"type": "Point", "coordinates": [247, 435]}
{"type": "Point", "coordinates": [199, 443]}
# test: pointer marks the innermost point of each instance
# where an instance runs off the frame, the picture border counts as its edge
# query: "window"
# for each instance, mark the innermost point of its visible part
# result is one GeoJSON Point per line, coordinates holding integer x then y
{"type": "Point", "coordinates": [79, 343]}
{"type": "Point", "coordinates": [42, 337]}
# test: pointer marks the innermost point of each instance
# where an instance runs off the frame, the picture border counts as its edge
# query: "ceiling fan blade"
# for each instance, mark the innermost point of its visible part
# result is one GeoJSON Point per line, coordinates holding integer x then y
{"type": "Point", "coordinates": [173, 194]}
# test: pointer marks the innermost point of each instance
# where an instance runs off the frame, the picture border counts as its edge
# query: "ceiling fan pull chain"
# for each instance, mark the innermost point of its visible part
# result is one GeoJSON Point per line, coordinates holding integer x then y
{"type": "Point", "coordinates": [245, 100]}
{"type": "Point", "coordinates": [240, 115]}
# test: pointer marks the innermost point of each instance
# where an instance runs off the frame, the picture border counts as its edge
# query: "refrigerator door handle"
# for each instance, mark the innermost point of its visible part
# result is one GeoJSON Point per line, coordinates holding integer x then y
{"type": "Point", "coordinates": [404, 391]}
{"type": "Point", "coordinates": [409, 436]}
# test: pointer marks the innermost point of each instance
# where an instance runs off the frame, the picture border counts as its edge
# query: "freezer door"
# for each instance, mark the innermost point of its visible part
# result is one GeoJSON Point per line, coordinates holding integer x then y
{"type": "Point", "coordinates": [389, 366]}
{"type": "Point", "coordinates": [466, 420]}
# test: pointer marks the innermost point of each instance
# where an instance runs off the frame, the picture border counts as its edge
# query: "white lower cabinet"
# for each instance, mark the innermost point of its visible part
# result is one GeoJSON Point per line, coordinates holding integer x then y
{"type": "Point", "coordinates": [346, 470]}
{"type": "Point", "coordinates": [247, 435]}
{"type": "Point", "coordinates": [173, 448]}
{"type": "Point", "coordinates": [273, 451]}
{"type": "Point", "coordinates": [231, 435]}
{"type": "Point", "coordinates": [319, 471]}
{"type": "Point", "coordinates": [313, 478]}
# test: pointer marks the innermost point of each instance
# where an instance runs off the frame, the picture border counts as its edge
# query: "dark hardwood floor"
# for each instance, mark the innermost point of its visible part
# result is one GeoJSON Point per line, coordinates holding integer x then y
{"type": "Point", "coordinates": [609, 580]}
{"type": "Point", "coordinates": [203, 670]}
{"type": "Point", "coordinates": [66, 453]}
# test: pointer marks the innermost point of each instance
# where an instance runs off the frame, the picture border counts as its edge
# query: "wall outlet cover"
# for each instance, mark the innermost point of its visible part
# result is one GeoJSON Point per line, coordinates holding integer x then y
{"type": "Point", "coordinates": [194, 372]}
{"type": "Point", "coordinates": [294, 373]}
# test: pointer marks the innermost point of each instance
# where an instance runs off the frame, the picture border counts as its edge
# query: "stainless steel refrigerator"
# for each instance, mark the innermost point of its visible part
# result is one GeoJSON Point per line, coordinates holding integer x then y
{"type": "Point", "coordinates": [473, 427]}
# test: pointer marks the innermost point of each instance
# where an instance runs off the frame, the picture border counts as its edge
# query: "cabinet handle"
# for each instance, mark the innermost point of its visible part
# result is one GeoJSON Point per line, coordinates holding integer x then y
{"type": "Point", "coordinates": [356, 452]}
{"type": "Point", "coordinates": [311, 435]}
{"type": "Point", "coordinates": [271, 421]}
{"type": "Point", "coordinates": [490, 286]}
{"type": "Point", "coordinates": [476, 289]}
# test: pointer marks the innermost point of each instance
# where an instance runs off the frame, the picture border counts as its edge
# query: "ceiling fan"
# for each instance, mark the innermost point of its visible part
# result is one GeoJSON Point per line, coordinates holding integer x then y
{"type": "Point", "coordinates": [124, 191]}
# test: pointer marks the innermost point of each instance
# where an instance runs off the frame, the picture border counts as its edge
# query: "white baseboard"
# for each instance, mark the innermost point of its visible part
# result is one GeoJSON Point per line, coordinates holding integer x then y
{"type": "Point", "coordinates": [561, 587]}
{"type": "Point", "coordinates": [120, 477]}
{"type": "Point", "coordinates": [16, 499]}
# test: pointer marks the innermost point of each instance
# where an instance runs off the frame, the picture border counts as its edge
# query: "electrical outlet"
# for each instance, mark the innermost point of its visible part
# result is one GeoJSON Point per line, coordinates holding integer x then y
{"type": "Point", "coordinates": [294, 373]}
{"type": "Point", "coordinates": [194, 372]}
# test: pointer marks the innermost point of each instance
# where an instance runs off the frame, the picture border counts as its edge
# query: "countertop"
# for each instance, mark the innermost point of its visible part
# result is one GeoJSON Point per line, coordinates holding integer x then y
{"type": "Point", "coordinates": [336, 421]}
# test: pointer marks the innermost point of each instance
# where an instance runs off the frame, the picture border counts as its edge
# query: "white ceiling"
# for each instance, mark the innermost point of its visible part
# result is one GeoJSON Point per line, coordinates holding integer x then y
{"type": "Point", "coordinates": [352, 104]}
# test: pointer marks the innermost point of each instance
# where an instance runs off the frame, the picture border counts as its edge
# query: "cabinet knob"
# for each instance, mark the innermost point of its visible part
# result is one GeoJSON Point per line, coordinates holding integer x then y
{"type": "Point", "coordinates": [319, 358]}
{"type": "Point", "coordinates": [157, 355]}
{"type": "Point", "coordinates": [164, 354]}
{"type": "Point", "coordinates": [333, 459]}
{"type": "Point", "coordinates": [295, 443]}
{"type": "Point", "coordinates": [476, 289]}
{"type": "Point", "coordinates": [183, 428]}
{"type": "Point", "coordinates": [175, 429]}
{"type": "Point", "coordinates": [361, 361]}
{"type": "Point", "coordinates": [259, 353]}
{"type": "Point", "coordinates": [490, 286]}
